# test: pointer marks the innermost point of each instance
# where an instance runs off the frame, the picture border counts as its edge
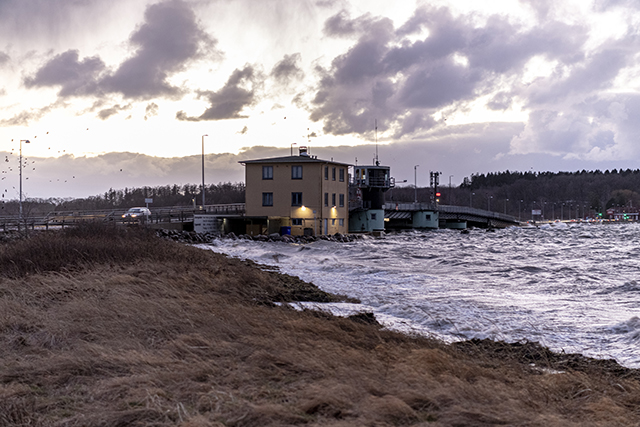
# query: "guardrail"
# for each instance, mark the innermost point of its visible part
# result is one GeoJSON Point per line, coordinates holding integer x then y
{"type": "Point", "coordinates": [158, 215]}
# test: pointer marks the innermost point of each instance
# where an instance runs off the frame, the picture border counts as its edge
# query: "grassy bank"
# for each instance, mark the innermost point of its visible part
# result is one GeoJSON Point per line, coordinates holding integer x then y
{"type": "Point", "coordinates": [110, 327]}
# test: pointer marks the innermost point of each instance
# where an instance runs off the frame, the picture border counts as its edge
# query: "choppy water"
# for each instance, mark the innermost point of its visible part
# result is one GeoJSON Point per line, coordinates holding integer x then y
{"type": "Point", "coordinates": [574, 288]}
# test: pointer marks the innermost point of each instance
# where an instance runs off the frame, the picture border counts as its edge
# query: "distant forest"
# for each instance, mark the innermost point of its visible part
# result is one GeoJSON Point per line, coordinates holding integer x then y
{"type": "Point", "coordinates": [556, 194]}
{"type": "Point", "coordinates": [168, 195]}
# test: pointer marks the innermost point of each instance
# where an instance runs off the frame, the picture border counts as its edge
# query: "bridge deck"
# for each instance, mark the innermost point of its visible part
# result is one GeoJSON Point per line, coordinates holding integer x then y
{"type": "Point", "coordinates": [479, 217]}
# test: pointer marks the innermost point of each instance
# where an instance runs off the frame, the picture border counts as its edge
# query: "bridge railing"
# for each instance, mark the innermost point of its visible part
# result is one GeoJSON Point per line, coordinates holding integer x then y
{"type": "Point", "coordinates": [450, 209]}
{"type": "Point", "coordinates": [474, 211]}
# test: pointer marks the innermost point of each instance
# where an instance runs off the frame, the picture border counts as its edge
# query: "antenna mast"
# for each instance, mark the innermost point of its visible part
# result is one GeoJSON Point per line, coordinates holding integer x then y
{"type": "Point", "coordinates": [376, 129]}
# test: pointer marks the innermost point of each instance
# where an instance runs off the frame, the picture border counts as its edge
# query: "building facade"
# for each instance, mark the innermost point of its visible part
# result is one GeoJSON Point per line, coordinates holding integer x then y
{"type": "Point", "coordinates": [302, 192]}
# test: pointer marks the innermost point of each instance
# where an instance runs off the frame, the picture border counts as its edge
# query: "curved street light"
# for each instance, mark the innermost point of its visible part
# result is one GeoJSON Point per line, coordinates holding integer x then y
{"type": "Point", "coordinates": [203, 171]}
{"type": "Point", "coordinates": [415, 185]}
{"type": "Point", "coordinates": [27, 142]}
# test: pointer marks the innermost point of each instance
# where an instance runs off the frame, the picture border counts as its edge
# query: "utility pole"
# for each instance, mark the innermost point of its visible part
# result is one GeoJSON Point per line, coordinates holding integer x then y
{"type": "Point", "coordinates": [203, 171]}
{"type": "Point", "coordinates": [27, 142]}
{"type": "Point", "coordinates": [415, 181]}
{"type": "Point", "coordinates": [434, 181]}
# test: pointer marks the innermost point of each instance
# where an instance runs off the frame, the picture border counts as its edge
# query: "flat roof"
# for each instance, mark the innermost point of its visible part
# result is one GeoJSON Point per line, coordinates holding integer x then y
{"type": "Point", "coordinates": [292, 159]}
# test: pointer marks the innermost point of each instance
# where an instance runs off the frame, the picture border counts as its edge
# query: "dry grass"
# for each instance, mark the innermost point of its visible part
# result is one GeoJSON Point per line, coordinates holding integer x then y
{"type": "Point", "coordinates": [171, 335]}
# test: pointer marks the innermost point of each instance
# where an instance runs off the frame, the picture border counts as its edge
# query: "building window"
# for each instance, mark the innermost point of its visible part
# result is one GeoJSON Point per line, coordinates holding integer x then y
{"type": "Point", "coordinates": [333, 199]}
{"type": "Point", "coordinates": [333, 222]}
{"type": "Point", "coordinates": [296, 199]}
{"type": "Point", "coordinates": [326, 199]}
{"type": "Point", "coordinates": [326, 172]}
{"type": "Point", "coordinates": [267, 172]}
{"type": "Point", "coordinates": [333, 174]}
{"type": "Point", "coordinates": [341, 222]}
{"type": "Point", "coordinates": [296, 172]}
{"type": "Point", "coordinates": [373, 216]}
{"type": "Point", "coordinates": [296, 221]}
{"type": "Point", "coordinates": [267, 199]}
{"type": "Point", "coordinates": [341, 175]}
{"type": "Point", "coordinates": [342, 200]}
{"type": "Point", "coordinates": [428, 217]}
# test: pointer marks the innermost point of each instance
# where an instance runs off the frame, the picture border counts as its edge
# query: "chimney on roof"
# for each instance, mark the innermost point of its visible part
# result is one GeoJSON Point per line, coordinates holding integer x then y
{"type": "Point", "coordinates": [304, 151]}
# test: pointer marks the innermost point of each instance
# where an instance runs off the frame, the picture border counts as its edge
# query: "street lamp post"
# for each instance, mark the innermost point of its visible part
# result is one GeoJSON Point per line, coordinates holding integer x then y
{"type": "Point", "coordinates": [489, 203]}
{"type": "Point", "coordinates": [533, 208]}
{"type": "Point", "coordinates": [505, 206]}
{"type": "Point", "coordinates": [415, 184]}
{"type": "Point", "coordinates": [203, 171]}
{"type": "Point", "coordinates": [450, 176]}
{"type": "Point", "coordinates": [27, 142]}
{"type": "Point", "coordinates": [471, 199]}
{"type": "Point", "coordinates": [520, 210]}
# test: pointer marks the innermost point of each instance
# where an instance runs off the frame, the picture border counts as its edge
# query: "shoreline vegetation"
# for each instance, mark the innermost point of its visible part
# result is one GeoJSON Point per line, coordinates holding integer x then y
{"type": "Point", "coordinates": [103, 326]}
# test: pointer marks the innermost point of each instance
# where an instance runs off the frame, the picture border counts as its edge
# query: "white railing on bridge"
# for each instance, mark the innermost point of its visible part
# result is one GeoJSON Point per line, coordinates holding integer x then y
{"type": "Point", "coordinates": [449, 209]}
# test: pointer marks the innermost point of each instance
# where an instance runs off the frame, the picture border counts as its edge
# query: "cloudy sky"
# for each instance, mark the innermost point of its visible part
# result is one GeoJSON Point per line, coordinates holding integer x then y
{"type": "Point", "coordinates": [118, 93]}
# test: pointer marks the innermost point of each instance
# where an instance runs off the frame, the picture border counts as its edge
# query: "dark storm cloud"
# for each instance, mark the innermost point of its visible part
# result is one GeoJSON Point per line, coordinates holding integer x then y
{"type": "Point", "coordinates": [75, 77]}
{"type": "Point", "coordinates": [341, 25]}
{"type": "Point", "coordinates": [151, 110]}
{"type": "Point", "coordinates": [604, 128]}
{"type": "Point", "coordinates": [240, 91]}
{"type": "Point", "coordinates": [288, 69]}
{"type": "Point", "coordinates": [112, 111]}
{"type": "Point", "coordinates": [170, 38]}
{"type": "Point", "coordinates": [595, 73]}
{"type": "Point", "coordinates": [402, 82]}
{"type": "Point", "coordinates": [604, 5]}
{"type": "Point", "coordinates": [540, 7]}
{"type": "Point", "coordinates": [24, 118]}
{"type": "Point", "coordinates": [70, 176]}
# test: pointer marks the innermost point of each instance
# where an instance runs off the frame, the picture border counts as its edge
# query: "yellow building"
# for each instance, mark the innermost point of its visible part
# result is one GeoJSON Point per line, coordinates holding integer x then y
{"type": "Point", "coordinates": [303, 192]}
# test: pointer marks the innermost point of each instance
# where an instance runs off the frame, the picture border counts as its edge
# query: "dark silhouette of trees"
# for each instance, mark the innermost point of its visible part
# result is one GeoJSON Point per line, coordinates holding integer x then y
{"type": "Point", "coordinates": [557, 194]}
{"type": "Point", "coordinates": [168, 195]}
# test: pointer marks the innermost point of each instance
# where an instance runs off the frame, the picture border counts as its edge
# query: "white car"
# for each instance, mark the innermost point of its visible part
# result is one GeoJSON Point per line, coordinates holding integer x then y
{"type": "Point", "coordinates": [137, 214]}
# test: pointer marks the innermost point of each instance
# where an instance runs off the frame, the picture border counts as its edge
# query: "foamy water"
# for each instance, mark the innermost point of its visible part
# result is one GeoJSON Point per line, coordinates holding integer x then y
{"type": "Point", "coordinates": [574, 288]}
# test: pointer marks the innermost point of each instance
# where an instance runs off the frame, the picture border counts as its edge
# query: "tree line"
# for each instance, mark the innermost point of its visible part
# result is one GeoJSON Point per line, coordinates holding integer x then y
{"type": "Point", "coordinates": [556, 195]}
{"type": "Point", "coordinates": [167, 195]}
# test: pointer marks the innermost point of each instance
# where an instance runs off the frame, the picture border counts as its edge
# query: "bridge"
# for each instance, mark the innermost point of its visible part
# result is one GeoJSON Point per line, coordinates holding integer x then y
{"type": "Point", "coordinates": [400, 215]}
{"type": "Point", "coordinates": [397, 216]}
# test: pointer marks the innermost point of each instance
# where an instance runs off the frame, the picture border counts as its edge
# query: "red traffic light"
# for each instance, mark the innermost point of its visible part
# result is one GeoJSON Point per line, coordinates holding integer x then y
{"type": "Point", "coordinates": [437, 194]}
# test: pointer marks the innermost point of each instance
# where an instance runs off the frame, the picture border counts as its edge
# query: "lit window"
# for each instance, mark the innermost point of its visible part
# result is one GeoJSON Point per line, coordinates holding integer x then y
{"type": "Point", "coordinates": [267, 172]}
{"type": "Point", "coordinates": [296, 199]}
{"type": "Point", "coordinates": [267, 199]}
{"type": "Point", "coordinates": [296, 172]}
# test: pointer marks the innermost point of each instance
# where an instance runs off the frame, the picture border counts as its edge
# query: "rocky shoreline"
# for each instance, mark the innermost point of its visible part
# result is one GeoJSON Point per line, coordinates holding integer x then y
{"type": "Point", "coordinates": [193, 237]}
